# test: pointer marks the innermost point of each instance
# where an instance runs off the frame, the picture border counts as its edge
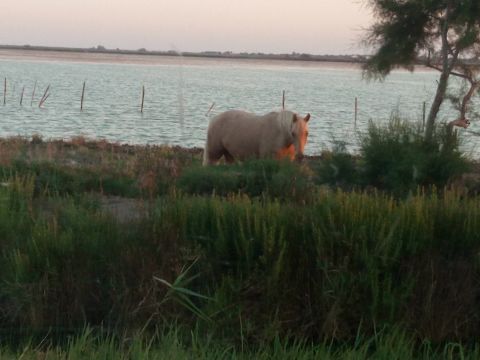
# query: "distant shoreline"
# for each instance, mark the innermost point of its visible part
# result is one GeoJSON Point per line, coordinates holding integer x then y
{"type": "Point", "coordinates": [205, 54]}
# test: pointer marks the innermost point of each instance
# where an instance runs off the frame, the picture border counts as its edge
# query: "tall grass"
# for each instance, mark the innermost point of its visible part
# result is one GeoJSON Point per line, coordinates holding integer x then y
{"type": "Point", "coordinates": [347, 260]}
{"type": "Point", "coordinates": [254, 257]}
{"type": "Point", "coordinates": [271, 178]}
{"type": "Point", "coordinates": [173, 344]}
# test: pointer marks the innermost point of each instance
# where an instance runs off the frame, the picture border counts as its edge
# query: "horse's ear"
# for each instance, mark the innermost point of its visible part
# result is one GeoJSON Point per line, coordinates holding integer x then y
{"type": "Point", "coordinates": [295, 118]}
{"type": "Point", "coordinates": [307, 118]}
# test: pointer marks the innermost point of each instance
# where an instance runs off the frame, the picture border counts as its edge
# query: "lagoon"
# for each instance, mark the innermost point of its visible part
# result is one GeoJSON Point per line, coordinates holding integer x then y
{"type": "Point", "coordinates": [179, 92]}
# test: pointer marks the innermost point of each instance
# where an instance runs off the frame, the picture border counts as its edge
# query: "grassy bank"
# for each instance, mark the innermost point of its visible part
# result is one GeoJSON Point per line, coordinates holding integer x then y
{"type": "Point", "coordinates": [319, 271]}
{"type": "Point", "coordinates": [264, 259]}
{"type": "Point", "coordinates": [171, 345]}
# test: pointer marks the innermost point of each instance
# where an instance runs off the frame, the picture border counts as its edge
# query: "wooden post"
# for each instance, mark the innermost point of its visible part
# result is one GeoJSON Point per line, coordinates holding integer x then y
{"type": "Point", "coordinates": [283, 100]}
{"type": "Point", "coordinates": [44, 97]}
{"type": "Point", "coordinates": [21, 97]}
{"type": "Point", "coordinates": [210, 109]}
{"type": "Point", "coordinates": [143, 98]}
{"type": "Point", "coordinates": [33, 92]}
{"type": "Point", "coordinates": [356, 112]}
{"type": "Point", "coordinates": [5, 92]}
{"type": "Point", "coordinates": [83, 94]}
{"type": "Point", "coordinates": [424, 114]}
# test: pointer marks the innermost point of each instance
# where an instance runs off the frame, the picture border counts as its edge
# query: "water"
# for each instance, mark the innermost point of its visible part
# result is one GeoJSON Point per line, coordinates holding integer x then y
{"type": "Point", "coordinates": [179, 92]}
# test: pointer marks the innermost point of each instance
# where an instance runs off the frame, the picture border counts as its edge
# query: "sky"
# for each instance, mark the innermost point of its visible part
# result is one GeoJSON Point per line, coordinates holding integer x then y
{"type": "Point", "coordinates": [270, 26]}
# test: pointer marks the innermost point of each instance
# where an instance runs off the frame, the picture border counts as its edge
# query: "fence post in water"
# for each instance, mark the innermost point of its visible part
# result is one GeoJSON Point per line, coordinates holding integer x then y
{"type": "Point", "coordinates": [143, 98]}
{"type": "Point", "coordinates": [210, 109]}
{"type": "Point", "coordinates": [283, 100]}
{"type": "Point", "coordinates": [21, 97]}
{"type": "Point", "coordinates": [356, 112]}
{"type": "Point", "coordinates": [424, 114]}
{"type": "Point", "coordinates": [44, 97]}
{"type": "Point", "coordinates": [5, 92]}
{"type": "Point", "coordinates": [33, 92]}
{"type": "Point", "coordinates": [81, 100]}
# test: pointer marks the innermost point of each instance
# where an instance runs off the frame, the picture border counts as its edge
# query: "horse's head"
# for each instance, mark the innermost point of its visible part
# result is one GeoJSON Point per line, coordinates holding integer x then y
{"type": "Point", "coordinates": [300, 133]}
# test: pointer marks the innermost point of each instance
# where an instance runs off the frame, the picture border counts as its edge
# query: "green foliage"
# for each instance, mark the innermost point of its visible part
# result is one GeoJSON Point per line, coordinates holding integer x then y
{"type": "Point", "coordinates": [264, 268]}
{"type": "Point", "coordinates": [173, 344]}
{"type": "Point", "coordinates": [65, 180]}
{"type": "Point", "coordinates": [405, 29]}
{"type": "Point", "coordinates": [270, 270]}
{"type": "Point", "coordinates": [396, 157]}
{"type": "Point", "coordinates": [258, 177]}
{"type": "Point", "coordinates": [338, 168]}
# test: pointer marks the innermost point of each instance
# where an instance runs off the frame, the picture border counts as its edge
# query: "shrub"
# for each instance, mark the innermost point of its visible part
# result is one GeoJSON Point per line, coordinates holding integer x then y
{"type": "Point", "coordinates": [397, 158]}
{"type": "Point", "coordinates": [338, 167]}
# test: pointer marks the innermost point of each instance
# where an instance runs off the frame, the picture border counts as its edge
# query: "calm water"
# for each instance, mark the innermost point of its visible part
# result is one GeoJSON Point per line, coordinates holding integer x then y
{"type": "Point", "coordinates": [179, 92]}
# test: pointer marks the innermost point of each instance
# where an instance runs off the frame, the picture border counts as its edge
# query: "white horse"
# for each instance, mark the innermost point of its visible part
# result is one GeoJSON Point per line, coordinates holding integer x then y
{"type": "Point", "coordinates": [239, 135]}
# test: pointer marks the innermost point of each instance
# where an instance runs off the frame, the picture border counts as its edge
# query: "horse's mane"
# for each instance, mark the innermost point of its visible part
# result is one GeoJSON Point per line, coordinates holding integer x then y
{"type": "Point", "coordinates": [285, 118]}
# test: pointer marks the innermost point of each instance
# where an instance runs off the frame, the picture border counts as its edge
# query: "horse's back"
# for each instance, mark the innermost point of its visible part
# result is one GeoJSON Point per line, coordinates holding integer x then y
{"type": "Point", "coordinates": [236, 132]}
{"type": "Point", "coordinates": [240, 135]}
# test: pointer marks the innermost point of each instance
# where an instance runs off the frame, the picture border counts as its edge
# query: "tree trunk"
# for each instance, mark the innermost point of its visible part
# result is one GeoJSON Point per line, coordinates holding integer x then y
{"type": "Point", "coordinates": [437, 103]}
{"type": "Point", "coordinates": [474, 85]}
{"type": "Point", "coordinates": [447, 67]}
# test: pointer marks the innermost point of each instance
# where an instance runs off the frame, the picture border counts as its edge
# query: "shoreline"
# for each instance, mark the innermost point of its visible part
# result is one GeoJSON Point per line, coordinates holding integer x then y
{"type": "Point", "coordinates": [157, 60]}
{"type": "Point", "coordinates": [302, 57]}
{"type": "Point", "coordinates": [89, 56]}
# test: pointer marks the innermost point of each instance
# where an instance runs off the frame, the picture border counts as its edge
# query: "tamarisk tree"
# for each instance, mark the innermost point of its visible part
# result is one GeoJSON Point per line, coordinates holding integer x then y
{"type": "Point", "coordinates": [443, 34]}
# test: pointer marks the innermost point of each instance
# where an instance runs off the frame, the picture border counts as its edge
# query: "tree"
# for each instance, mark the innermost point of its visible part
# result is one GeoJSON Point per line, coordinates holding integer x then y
{"type": "Point", "coordinates": [442, 32]}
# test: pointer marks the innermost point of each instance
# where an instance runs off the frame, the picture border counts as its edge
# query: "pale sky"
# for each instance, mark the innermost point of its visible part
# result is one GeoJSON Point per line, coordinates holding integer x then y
{"type": "Point", "coordinates": [278, 26]}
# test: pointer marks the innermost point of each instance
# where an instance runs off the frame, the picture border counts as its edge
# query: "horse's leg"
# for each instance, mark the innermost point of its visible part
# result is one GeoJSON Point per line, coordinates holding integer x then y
{"type": "Point", "coordinates": [228, 157]}
{"type": "Point", "coordinates": [211, 157]}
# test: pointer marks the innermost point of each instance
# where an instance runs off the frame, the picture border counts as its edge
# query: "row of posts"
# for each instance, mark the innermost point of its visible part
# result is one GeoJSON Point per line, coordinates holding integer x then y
{"type": "Point", "coordinates": [46, 94]}
{"type": "Point", "coordinates": [424, 112]}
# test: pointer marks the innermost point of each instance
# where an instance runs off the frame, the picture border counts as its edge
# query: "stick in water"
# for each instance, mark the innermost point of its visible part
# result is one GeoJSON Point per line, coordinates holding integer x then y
{"type": "Point", "coordinates": [209, 110]}
{"type": "Point", "coordinates": [143, 97]}
{"type": "Point", "coordinates": [21, 97]}
{"type": "Point", "coordinates": [81, 100]}
{"type": "Point", "coordinates": [44, 97]}
{"type": "Point", "coordinates": [33, 93]}
{"type": "Point", "coordinates": [283, 100]}
{"type": "Point", "coordinates": [356, 112]}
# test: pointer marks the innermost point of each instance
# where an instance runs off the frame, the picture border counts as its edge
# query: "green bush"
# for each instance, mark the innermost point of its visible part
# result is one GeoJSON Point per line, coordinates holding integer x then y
{"type": "Point", "coordinates": [397, 158]}
{"type": "Point", "coordinates": [338, 168]}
